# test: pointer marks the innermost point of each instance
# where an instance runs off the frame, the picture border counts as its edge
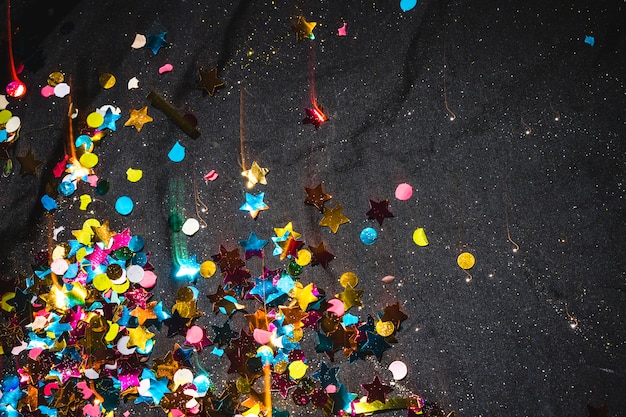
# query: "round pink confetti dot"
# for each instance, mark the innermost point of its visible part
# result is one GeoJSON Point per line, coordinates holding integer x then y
{"type": "Point", "coordinates": [194, 334]}
{"type": "Point", "coordinates": [404, 191]}
{"type": "Point", "coordinates": [47, 91]}
{"type": "Point", "coordinates": [148, 280]}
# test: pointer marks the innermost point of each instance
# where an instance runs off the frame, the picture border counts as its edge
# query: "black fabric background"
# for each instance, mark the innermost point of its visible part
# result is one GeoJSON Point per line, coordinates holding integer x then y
{"type": "Point", "coordinates": [500, 345]}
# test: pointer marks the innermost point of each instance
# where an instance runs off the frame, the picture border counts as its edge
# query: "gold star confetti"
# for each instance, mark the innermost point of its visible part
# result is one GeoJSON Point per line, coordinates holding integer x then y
{"type": "Point", "coordinates": [138, 118]}
{"type": "Point", "coordinates": [350, 297]}
{"type": "Point", "coordinates": [104, 232]}
{"type": "Point", "coordinates": [303, 295]}
{"type": "Point", "coordinates": [303, 29]}
{"type": "Point", "coordinates": [255, 175]}
{"type": "Point", "coordinates": [333, 218]}
{"type": "Point", "coordinates": [139, 336]}
{"type": "Point", "coordinates": [280, 231]}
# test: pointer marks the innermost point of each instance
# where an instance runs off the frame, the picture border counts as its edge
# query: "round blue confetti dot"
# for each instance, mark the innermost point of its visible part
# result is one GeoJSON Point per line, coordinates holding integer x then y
{"type": "Point", "coordinates": [177, 153]}
{"type": "Point", "coordinates": [407, 5]}
{"type": "Point", "coordinates": [369, 236]}
{"type": "Point", "coordinates": [66, 188]}
{"type": "Point", "coordinates": [136, 243]}
{"type": "Point", "coordinates": [48, 203]}
{"type": "Point", "coordinates": [124, 205]}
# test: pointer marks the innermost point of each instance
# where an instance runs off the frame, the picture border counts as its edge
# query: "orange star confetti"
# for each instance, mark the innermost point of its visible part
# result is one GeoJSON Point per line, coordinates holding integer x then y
{"type": "Point", "coordinates": [138, 118]}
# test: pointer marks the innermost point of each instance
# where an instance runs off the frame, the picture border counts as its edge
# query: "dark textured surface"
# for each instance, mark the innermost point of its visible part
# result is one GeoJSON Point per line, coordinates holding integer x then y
{"type": "Point", "coordinates": [499, 345]}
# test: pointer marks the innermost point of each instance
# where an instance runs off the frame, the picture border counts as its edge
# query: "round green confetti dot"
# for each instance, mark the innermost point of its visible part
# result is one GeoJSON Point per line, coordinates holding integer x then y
{"type": "Point", "coordinates": [294, 269]}
{"type": "Point", "coordinates": [123, 253]}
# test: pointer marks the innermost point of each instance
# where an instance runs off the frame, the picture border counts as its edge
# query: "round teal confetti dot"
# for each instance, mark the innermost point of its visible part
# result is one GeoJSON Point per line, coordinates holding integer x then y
{"type": "Point", "coordinates": [136, 243]}
{"type": "Point", "coordinates": [177, 153]}
{"type": "Point", "coordinates": [124, 205]}
{"type": "Point", "coordinates": [140, 259]}
{"type": "Point", "coordinates": [102, 187]}
{"type": "Point", "coordinates": [83, 140]}
{"type": "Point", "coordinates": [407, 5]}
{"type": "Point", "coordinates": [66, 188]}
{"type": "Point", "coordinates": [369, 236]}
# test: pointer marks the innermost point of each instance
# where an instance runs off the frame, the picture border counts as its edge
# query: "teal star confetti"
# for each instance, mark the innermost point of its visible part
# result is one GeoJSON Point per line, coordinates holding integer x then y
{"type": "Point", "coordinates": [376, 344]}
{"type": "Point", "coordinates": [327, 376]}
{"type": "Point", "coordinates": [109, 120]}
{"type": "Point", "coordinates": [253, 246]}
{"type": "Point", "coordinates": [254, 204]}
{"type": "Point", "coordinates": [341, 400]}
{"type": "Point", "coordinates": [156, 42]}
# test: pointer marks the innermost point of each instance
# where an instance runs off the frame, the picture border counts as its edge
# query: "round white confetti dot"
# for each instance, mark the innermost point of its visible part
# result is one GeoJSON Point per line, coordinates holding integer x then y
{"type": "Point", "coordinates": [190, 227]}
{"type": "Point", "coordinates": [398, 369]}
{"type": "Point", "coordinates": [182, 377]}
{"type": "Point", "coordinates": [61, 90]}
{"type": "Point", "coordinates": [135, 273]}
{"type": "Point", "coordinates": [13, 124]}
{"type": "Point", "coordinates": [122, 346]}
{"type": "Point", "coordinates": [59, 266]}
{"type": "Point", "coordinates": [139, 42]}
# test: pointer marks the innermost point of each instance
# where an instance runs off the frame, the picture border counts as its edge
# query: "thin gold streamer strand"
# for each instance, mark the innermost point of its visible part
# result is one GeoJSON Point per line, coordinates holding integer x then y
{"type": "Point", "coordinates": [573, 320]}
{"type": "Point", "coordinates": [529, 129]}
{"type": "Point", "coordinates": [508, 230]}
{"type": "Point", "coordinates": [445, 92]}
{"type": "Point", "coordinates": [241, 136]}
{"type": "Point", "coordinates": [557, 115]}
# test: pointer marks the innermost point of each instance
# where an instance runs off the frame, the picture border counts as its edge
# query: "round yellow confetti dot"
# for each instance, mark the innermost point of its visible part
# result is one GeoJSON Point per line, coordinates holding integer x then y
{"type": "Point", "coordinates": [297, 369]}
{"type": "Point", "coordinates": [243, 385]}
{"type": "Point", "coordinates": [6, 297]}
{"type": "Point", "coordinates": [107, 80]}
{"type": "Point", "coordinates": [58, 252]}
{"type": "Point", "coordinates": [134, 175]}
{"type": "Point", "coordinates": [5, 115]}
{"type": "Point", "coordinates": [89, 160]}
{"type": "Point", "coordinates": [207, 269]}
{"type": "Point", "coordinates": [55, 78]}
{"type": "Point", "coordinates": [186, 310]}
{"type": "Point", "coordinates": [466, 260]}
{"type": "Point", "coordinates": [184, 294]}
{"type": "Point", "coordinates": [95, 120]}
{"type": "Point", "coordinates": [85, 200]}
{"type": "Point", "coordinates": [304, 257]}
{"type": "Point", "coordinates": [348, 278]}
{"type": "Point", "coordinates": [80, 254]}
{"type": "Point", "coordinates": [121, 288]}
{"type": "Point", "coordinates": [419, 237]}
{"type": "Point", "coordinates": [101, 282]}
{"type": "Point", "coordinates": [385, 328]}
{"type": "Point", "coordinates": [89, 223]}
{"type": "Point", "coordinates": [114, 329]}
